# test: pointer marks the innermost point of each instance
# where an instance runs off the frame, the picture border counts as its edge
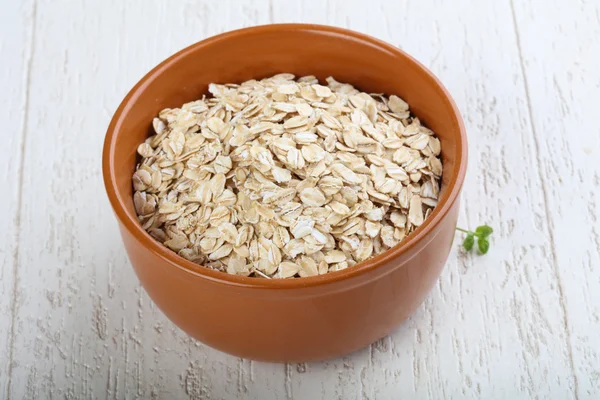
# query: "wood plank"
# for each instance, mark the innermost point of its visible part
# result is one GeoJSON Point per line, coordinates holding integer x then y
{"type": "Point", "coordinates": [560, 54]}
{"type": "Point", "coordinates": [16, 33]}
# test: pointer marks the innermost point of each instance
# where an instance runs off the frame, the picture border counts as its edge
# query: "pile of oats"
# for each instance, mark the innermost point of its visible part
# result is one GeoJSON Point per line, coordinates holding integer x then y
{"type": "Point", "coordinates": [283, 178]}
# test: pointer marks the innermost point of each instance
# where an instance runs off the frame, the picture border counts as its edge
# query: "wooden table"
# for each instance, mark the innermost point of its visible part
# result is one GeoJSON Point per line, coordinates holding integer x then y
{"type": "Point", "coordinates": [522, 322]}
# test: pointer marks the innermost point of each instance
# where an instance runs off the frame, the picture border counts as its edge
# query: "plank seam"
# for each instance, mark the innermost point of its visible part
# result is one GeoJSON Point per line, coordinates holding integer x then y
{"type": "Point", "coordinates": [16, 253]}
{"type": "Point", "coordinates": [562, 297]}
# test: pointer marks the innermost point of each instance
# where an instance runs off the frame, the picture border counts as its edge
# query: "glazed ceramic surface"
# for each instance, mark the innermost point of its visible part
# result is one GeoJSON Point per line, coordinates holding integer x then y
{"type": "Point", "coordinates": [296, 319]}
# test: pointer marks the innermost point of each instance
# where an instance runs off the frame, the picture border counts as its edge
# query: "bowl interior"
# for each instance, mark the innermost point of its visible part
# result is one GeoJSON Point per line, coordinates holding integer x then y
{"type": "Point", "coordinates": [254, 53]}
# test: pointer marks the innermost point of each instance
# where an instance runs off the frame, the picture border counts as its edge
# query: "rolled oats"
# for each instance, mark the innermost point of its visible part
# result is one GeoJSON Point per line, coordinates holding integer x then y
{"type": "Point", "coordinates": [282, 178]}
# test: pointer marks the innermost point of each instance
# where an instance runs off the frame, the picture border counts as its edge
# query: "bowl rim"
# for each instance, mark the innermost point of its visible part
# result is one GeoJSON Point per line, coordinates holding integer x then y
{"type": "Point", "coordinates": [150, 244]}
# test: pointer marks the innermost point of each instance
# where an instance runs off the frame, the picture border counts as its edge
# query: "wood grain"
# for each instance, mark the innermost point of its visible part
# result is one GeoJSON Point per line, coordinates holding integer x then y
{"type": "Point", "coordinates": [562, 86]}
{"type": "Point", "coordinates": [521, 322]}
{"type": "Point", "coordinates": [16, 34]}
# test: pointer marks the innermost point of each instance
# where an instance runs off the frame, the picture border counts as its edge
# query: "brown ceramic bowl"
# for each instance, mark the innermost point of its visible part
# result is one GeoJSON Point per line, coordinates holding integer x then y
{"type": "Point", "coordinates": [295, 319]}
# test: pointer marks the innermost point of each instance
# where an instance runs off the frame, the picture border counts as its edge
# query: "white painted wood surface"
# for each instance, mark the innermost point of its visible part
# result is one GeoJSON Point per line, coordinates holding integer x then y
{"type": "Point", "coordinates": [522, 322]}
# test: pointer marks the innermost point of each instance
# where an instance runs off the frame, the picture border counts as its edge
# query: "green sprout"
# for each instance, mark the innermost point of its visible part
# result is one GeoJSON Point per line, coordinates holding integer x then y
{"type": "Point", "coordinates": [481, 233]}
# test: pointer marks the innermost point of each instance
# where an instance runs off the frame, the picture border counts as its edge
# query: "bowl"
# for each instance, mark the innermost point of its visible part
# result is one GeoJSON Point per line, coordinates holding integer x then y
{"type": "Point", "coordinates": [299, 319]}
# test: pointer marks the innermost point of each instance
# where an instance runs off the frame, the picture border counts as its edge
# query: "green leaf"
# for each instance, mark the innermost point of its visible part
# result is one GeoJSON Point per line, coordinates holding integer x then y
{"type": "Point", "coordinates": [483, 231]}
{"type": "Point", "coordinates": [483, 245]}
{"type": "Point", "coordinates": [469, 242]}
